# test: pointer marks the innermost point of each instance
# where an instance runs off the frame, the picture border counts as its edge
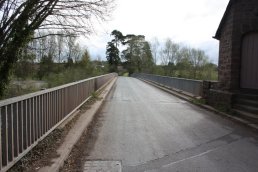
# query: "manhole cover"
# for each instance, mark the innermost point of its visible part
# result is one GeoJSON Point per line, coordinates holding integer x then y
{"type": "Point", "coordinates": [102, 166]}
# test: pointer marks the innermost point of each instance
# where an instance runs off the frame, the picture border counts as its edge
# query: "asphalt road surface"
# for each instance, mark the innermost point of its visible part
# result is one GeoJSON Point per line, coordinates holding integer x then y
{"type": "Point", "coordinates": [149, 130]}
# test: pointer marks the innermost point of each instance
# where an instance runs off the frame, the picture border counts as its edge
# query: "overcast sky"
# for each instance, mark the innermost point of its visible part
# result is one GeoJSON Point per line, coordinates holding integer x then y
{"type": "Point", "coordinates": [191, 22]}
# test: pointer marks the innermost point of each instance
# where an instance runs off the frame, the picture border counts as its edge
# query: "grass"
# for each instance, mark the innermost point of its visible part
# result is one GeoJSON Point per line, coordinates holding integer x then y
{"type": "Point", "coordinates": [199, 101]}
{"type": "Point", "coordinates": [95, 95]}
{"type": "Point", "coordinates": [126, 74]}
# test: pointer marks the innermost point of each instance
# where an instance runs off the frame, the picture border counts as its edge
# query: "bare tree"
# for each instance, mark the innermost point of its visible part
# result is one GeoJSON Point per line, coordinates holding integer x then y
{"type": "Point", "coordinates": [70, 47]}
{"type": "Point", "coordinates": [77, 52]}
{"type": "Point", "coordinates": [42, 48]}
{"type": "Point", "coordinates": [60, 47]}
{"type": "Point", "coordinates": [19, 19]}
{"type": "Point", "coordinates": [164, 59]}
{"type": "Point", "coordinates": [174, 52]}
{"type": "Point", "coordinates": [170, 51]}
{"type": "Point", "coordinates": [52, 46]}
{"type": "Point", "coordinates": [198, 59]}
{"type": "Point", "coordinates": [155, 49]}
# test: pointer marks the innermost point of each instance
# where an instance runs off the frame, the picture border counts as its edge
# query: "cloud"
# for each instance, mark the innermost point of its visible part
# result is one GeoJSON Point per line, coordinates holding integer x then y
{"type": "Point", "coordinates": [191, 22]}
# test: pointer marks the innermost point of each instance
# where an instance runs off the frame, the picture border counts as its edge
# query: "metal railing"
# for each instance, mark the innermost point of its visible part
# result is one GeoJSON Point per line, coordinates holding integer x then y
{"type": "Point", "coordinates": [194, 87]}
{"type": "Point", "coordinates": [27, 119]}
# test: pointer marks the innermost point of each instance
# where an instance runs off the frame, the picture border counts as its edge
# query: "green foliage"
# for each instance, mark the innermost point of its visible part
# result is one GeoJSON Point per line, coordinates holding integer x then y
{"type": "Point", "coordinates": [199, 101]}
{"type": "Point", "coordinates": [19, 19]}
{"type": "Point", "coordinates": [19, 86]}
{"type": "Point", "coordinates": [53, 74]}
{"type": "Point", "coordinates": [94, 95]}
{"type": "Point", "coordinates": [126, 74]}
{"type": "Point", "coordinates": [70, 75]}
{"type": "Point", "coordinates": [66, 76]}
{"type": "Point", "coordinates": [185, 70]}
{"type": "Point", "coordinates": [85, 60]}
{"type": "Point", "coordinates": [147, 58]}
{"type": "Point", "coordinates": [25, 67]}
{"type": "Point", "coordinates": [69, 62]}
{"type": "Point", "coordinates": [78, 71]}
{"type": "Point", "coordinates": [14, 90]}
{"type": "Point", "coordinates": [137, 55]}
{"type": "Point", "coordinates": [45, 66]}
{"type": "Point", "coordinates": [112, 51]}
{"type": "Point", "coordinates": [184, 62]}
{"type": "Point", "coordinates": [118, 37]}
{"type": "Point", "coordinates": [17, 24]}
{"type": "Point", "coordinates": [112, 55]}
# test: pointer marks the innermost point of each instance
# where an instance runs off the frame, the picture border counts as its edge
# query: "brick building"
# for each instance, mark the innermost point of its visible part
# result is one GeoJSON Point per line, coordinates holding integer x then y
{"type": "Point", "coordinates": [238, 58]}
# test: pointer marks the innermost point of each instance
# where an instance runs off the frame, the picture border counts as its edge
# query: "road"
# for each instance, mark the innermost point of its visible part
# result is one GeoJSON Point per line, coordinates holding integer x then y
{"type": "Point", "coordinates": [150, 130]}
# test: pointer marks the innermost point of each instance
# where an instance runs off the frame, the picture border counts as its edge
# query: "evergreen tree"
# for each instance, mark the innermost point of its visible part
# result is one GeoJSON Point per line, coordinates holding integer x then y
{"type": "Point", "coordinates": [112, 55]}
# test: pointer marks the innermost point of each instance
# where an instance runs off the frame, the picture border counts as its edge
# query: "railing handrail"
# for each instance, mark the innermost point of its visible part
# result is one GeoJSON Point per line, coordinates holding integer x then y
{"type": "Point", "coordinates": [195, 80]}
{"type": "Point", "coordinates": [194, 87]}
{"type": "Point", "coordinates": [41, 92]}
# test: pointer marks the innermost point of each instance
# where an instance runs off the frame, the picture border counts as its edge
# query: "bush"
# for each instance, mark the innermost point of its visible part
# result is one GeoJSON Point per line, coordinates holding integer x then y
{"type": "Point", "coordinates": [72, 74]}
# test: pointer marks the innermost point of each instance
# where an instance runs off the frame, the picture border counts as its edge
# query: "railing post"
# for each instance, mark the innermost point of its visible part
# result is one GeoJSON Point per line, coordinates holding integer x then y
{"type": "Point", "coordinates": [95, 84]}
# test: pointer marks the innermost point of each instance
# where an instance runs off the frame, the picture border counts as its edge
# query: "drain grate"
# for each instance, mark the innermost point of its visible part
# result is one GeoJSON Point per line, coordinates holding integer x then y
{"type": "Point", "coordinates": [102, 166]}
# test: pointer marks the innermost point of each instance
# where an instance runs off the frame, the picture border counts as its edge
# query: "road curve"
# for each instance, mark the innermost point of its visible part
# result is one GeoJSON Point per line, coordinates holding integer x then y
{"type": "Point", "coordinates": [150, 130]}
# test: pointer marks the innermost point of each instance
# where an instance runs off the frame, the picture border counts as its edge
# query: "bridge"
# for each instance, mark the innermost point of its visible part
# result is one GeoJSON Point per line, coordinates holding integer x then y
{"type": "Point", "coordinates": [140, 127]}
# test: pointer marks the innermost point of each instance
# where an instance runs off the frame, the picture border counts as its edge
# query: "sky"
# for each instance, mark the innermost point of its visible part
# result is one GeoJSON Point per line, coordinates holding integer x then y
{"type": "Point", "coordinates": [189, 22]}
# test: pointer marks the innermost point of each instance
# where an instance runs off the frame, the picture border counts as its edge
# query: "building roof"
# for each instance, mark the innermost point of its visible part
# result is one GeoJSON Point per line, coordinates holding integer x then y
{"type": "Point", "coordinates": [217, 35]}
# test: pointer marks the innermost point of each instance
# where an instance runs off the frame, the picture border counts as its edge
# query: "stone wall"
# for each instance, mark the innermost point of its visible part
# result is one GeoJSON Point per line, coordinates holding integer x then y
{"type": "Point", "coordinates": [241, 19]}
{"type": "Point", "coordinates": [221, 100]}
{"type": "Point", "coordinates": [207, 85]}
{"type": "Point", "coordinates": [225, 52]}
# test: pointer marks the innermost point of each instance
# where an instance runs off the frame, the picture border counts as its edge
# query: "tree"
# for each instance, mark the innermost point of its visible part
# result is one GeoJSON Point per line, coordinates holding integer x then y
{"type": "Point", "coordinates": [210, 71]}
{"type": "Point", "coordinates": [198, 60]}
{"type": "Point", "coordinates": [138, 54]}
{"type": "Point", "coordinates": [112, 51]}
{"type": "Point", "coordinates": [155, 49]}
{"type": "Point", "coordinates": [182, 61]}
{"type": "Point", "coordinates": [85, 62]}
{"type": "Point", "coordinates": [169, 56]}
{"type": "Point", "coordinates": [132, 53]}
{"type": "Point", "coordinates": [60, 44]}
{"type": "Point", "coordinates": [69, 63]}
{"type": "Point", "coordinates": [147, 58]}
{"type": "Point", "coordinates": [52, 47]}
{"type": "Point", "coordinates": [25, 65]}
{"type": "Point", "coordinates": [164, 59]}
{"type": "Point", "coordinates": [41, 47]}
{"type": "Point", "coordinates": [70, 47]}
{"type": "Point", "coordinates": [45, 67]}
{"type": "Point", "coordinates": [20, 19]}
{"type": "Point", "coordinates": [112, 54]}
{"type": "Point", "coordinates": [118, 37]}
{"type": "Point", "coordinates": [77, 53]}
{"type": "Point", "coordinates": [184, 65]}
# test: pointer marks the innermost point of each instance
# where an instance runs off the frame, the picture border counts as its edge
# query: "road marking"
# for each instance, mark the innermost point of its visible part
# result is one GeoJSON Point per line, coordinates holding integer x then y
{"type": "Point", "coordinates": [102, 166]}
{"type": "Point", "coordinates": [191, 157]}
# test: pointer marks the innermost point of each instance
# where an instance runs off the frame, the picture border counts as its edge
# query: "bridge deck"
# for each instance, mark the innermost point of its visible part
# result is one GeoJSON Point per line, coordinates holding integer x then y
{"type": "Point", "coordinates": [149, 130]}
